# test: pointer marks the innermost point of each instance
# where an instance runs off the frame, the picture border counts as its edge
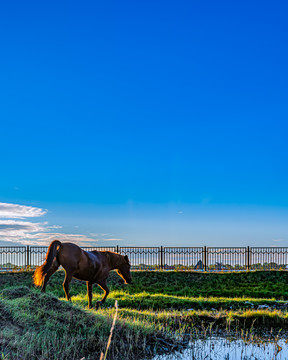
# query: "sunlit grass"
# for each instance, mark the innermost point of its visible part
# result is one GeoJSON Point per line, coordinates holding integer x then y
{"type": "Point", "coordinates": [145, 300]}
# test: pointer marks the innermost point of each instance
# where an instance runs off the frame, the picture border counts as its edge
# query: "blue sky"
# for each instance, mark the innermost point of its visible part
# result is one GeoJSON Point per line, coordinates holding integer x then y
{"type": "Point", "coordinates": [144, 123]}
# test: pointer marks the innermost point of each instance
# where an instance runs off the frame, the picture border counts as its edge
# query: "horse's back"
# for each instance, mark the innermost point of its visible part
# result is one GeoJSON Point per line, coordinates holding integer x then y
{"type": "Point", "coordinates": [70, 255]}
{"type": "Point", "coordinates": [84, 265]}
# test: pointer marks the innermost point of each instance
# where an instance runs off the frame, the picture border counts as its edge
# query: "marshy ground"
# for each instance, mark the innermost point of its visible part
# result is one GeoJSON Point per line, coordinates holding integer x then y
{"type": "Point", "coordinates": [159, 312]}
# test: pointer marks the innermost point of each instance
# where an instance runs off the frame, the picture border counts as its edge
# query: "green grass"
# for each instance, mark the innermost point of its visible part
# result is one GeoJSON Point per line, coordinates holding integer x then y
{"type": "Point", "coordinates": [261, 284]}
{"type": "Point", "coordinates": [152, 310]}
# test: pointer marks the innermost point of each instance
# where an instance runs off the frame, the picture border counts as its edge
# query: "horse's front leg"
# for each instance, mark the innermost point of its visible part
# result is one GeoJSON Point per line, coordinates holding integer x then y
{"type": "Point", "coordinates": [104, 287]}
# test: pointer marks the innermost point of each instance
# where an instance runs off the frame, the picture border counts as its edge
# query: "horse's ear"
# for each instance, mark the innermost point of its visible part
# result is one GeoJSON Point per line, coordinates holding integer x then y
{"type": "Point", "coordinates": [126, 258]}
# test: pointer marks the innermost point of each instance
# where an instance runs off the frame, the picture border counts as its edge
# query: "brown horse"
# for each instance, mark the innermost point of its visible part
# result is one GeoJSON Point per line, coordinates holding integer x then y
{"type": "Point", "coordinates": [91, 266]}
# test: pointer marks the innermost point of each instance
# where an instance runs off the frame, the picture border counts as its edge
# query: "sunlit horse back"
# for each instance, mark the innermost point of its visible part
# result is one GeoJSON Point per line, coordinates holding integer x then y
{"type": "Point", "coordinates": [90, 266]}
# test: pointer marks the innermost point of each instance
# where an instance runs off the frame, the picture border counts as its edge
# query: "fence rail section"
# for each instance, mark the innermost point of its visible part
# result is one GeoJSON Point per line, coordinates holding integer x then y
{"type": "Point", "coordinates": [13, 258]}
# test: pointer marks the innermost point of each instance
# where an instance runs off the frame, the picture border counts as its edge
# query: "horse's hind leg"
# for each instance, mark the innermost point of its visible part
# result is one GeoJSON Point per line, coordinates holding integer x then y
{"type": "Point", "coordinates": [68, 278]}
{"type": "Point", "coordinates": [89, 292]}
{"type": "Point", "coordinates": [52, 270]}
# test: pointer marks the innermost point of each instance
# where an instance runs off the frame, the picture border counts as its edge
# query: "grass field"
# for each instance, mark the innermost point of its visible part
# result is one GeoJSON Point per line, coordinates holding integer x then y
{"type": "Point", "coordinates": [158, 312]}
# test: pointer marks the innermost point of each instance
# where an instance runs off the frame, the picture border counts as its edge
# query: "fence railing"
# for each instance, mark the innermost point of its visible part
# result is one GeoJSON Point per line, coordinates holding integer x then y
{"type": "Point", "coordinates": [13, 258]}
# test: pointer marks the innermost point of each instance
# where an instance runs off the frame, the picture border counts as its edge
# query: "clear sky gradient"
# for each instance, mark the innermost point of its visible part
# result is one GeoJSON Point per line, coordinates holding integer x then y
{"type": "Point", "coordinates": [144, 123]}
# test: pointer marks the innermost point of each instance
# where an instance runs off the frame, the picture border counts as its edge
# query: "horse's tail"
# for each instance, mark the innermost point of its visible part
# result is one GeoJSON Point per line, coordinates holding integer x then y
{"type": "Point", "coordinates": [42, 270]}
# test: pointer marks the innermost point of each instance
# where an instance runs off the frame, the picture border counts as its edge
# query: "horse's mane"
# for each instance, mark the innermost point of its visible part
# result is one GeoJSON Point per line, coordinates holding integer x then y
{"type": "Point", "coordinates": [115, 259]}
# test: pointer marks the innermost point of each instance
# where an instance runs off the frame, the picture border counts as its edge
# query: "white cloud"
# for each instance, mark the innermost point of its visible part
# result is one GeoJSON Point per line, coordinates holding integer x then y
{"type": "Point", "coordinates": [105, 237]}
{"type": "Point", "coordinates": [13, 229]}
{"type": "Point", "coordinates": [15, 211]}
{"type": "Point", "coordinates": [28, 233]}
{"type": "Point", "coordinates": [43, 239]}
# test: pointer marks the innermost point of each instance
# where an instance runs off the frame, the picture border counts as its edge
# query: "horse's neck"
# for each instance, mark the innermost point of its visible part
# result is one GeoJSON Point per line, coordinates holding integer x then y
{"type": "Point", "coordinates": [114, 260]}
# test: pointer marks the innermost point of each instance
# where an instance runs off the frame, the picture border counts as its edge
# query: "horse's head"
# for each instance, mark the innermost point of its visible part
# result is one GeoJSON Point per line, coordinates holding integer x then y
{"type": "Point", "coordinates": [123, 270]}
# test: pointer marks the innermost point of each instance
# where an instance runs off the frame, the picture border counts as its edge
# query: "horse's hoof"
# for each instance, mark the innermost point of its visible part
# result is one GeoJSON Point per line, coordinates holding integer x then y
{"type": "Point", "coordinates": [98, 304]}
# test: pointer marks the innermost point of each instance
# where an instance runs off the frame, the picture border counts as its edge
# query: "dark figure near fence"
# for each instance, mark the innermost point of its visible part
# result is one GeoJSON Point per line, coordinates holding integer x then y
{"type": "Point", "coordinates": [90, 266]}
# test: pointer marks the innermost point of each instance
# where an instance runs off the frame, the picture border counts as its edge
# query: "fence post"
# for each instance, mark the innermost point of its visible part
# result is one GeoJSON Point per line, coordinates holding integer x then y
{"type": "Point", "coordinates": [248, 258]}
{"type": "Point", "coordinates": [117, 249]}
{"type": "Point", "coordinates": [205, 258]}
{"type": "Point", "coordinates": [27, 256]}
{"type": "Point", "coordinates": [161, 257]}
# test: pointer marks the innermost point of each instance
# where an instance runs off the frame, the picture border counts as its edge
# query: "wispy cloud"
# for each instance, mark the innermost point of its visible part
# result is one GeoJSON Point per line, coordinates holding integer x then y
{"type": "Point", "coordinates": [15, 229]}
{"type": "Point", "coordinates": [28, 233]}
{"type": "Point", "coordinates": [105, 237]}
{"type": "Point", "coordinates": [15, 211]}
{"type": "Point", "coordinates": [112, 239]}
{"type": "Point", "coordinates": [43, 239]}
{"type": "Point", "coordinates": [22, 226]}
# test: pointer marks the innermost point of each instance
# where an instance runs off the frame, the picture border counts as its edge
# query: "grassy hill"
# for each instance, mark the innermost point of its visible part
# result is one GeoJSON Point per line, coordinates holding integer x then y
{"type": "Point", "coordinates": [152, 310]}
